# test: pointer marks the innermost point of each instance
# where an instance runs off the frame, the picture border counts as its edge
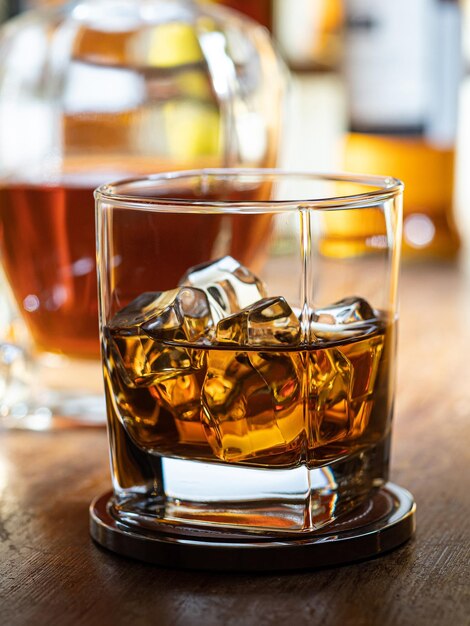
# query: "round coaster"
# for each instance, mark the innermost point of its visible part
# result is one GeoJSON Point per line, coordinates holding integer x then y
{"type": "Point", "coordinates": [382, 523]}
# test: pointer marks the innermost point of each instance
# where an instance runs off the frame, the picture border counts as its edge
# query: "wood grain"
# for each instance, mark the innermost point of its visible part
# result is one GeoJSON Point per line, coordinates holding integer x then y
{"type": "Point", "coordinates": [51, 572]}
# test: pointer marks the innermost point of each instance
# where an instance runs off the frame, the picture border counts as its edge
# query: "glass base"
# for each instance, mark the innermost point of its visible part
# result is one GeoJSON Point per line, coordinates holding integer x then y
{"type": "Point", "coordinates": [50, 392]}
{"type": "Point", "coordinates": [58, 412]}
{"type": "Point", "coordinates": [385, 520]}
{"type": "Point", "coordinates": [244, 499]}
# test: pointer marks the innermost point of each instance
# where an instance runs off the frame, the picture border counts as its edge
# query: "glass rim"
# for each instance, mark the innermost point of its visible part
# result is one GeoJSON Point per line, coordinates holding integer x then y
{"type": "Point", "coordinates": [382, 188]}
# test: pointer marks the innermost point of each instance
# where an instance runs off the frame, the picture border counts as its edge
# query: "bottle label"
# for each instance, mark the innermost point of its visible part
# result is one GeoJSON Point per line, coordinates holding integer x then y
{"type": "Point", "coordinates": [403, 66]}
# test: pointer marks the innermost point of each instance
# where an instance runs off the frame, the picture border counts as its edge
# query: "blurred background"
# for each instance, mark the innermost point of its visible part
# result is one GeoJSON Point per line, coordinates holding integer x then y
{"type": "Point", "coordinates": [98, 90]}
{"type": "Point", "coordinates": [375, 87]}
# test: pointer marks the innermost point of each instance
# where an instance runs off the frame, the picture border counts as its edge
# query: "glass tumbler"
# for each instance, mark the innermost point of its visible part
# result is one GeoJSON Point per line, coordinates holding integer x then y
{"type": "Point", "coordinates": [249, 376]}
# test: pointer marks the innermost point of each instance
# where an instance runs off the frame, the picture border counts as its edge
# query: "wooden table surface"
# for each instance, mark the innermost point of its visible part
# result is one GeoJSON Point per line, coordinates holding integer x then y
{"type": "Point", "coordinates": [52, 573]}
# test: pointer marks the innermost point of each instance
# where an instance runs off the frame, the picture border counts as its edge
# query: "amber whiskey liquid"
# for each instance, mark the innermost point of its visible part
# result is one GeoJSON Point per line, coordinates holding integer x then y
{"type": "Point", "coordinates": [48, 243]}
{"type": "Point", "coordinates": [250, 406]}
{"type": "Point", "coordinates": [47, 240]}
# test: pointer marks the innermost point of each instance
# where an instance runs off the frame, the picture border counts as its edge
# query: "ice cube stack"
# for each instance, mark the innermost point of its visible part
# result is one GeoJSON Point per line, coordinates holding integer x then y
{"type": "Point", "coordinates": [223, 301]}
{"type": "Point", "coordinates": [248, 394]}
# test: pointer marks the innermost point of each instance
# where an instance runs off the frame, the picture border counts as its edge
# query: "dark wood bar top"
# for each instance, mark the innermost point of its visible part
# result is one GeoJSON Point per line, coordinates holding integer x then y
{"type": "Point", "coordinates": [52, 573]}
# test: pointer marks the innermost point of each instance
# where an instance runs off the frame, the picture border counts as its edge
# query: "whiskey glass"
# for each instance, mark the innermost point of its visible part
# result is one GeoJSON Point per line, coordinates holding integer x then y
{"type": "Point", "coordinates": [249, 351]}
{"type": "Point", "coordinates": [91, 91]}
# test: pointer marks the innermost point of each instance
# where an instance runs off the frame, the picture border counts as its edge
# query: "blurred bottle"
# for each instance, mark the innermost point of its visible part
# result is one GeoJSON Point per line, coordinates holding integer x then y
{"type": "Point", "coordinates": [9, 8]}
{"type": "Point", "coordinates": [402, 68]}
{"type": "Point", "coordinates": [309, 33]}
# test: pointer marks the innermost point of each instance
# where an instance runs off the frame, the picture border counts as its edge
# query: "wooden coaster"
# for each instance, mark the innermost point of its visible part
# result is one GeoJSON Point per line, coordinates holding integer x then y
{"type": "Point", "coordinates": [380, 524]}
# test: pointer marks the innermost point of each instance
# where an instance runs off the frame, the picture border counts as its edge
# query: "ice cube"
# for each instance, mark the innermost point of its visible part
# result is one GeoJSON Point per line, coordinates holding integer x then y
{"type": "Point", "coordinates": [142, 361]}
{"type": "Point", "coordinates": [182, 313]}
{"type": "Point", "coordinates": [329, 380]}
{"type": "Point", "coordinates": [365, 357]}
{"type": "Point", "coordinates": [140, 310]}
{"type": "Point", "coordinates": [229, 285]}
{"type": "Point", "coordinates": [181, 396]}
{"type": "Point", "coordinates": [346, 311]}
{"type": "Point", "coordinates": [253, 404]}
{"type": "Point", "coordinates": [346, 318]}
{"type": "Point", "coordinates": [340, 385]}
{"type": "Point", "coordinates": [269, 321]}
{"type": "Point", "coordinates": [140, 332]}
